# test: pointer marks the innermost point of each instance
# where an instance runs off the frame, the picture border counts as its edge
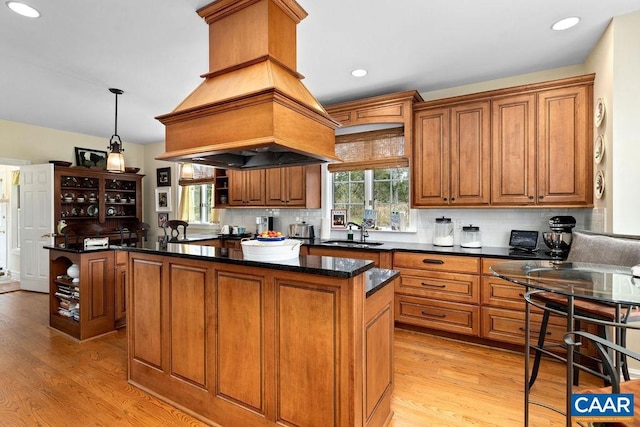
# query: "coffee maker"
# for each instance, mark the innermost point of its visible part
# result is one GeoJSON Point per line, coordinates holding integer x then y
{"type": "Point", "coordinates": [264, 223]}
{"type": "Point", "coordinates": [560, 236]}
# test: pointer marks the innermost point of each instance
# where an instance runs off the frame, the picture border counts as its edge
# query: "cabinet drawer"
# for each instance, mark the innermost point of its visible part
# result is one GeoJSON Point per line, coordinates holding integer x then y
{"type": "Point", "coordinates": [500, 293]}
{"type": "Point", "coordinates": [441, 286]}
{"type": "Point", "coordinates": [436, 262]}
{"type": "Point", "coordinates": [446, 316]}
{"type": "Point", "coordinates": [509, 326]}
{"type": "Point", "coordinates": [488, 262]}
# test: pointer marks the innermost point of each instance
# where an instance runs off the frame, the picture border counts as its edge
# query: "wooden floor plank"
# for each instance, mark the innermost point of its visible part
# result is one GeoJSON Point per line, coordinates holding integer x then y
{"type": "Point", "coordinates": [47, 379]}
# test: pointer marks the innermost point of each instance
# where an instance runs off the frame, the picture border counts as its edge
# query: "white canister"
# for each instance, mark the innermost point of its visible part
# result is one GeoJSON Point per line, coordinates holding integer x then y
{"type": "Point", "coordinates": [443, 232]}
{"type": "Point", "coordinates": [470, 237]}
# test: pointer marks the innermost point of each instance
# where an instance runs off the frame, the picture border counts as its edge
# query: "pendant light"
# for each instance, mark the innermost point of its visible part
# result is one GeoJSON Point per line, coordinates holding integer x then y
{"type": "Point", "coordinates": [115, 160]}
{"type": "Point", "coordinates": [186, 171]}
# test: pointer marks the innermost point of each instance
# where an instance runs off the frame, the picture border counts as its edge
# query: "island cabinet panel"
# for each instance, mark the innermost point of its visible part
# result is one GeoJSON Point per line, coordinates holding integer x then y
{"type": "Point", "coordinates": [378, 355]}
{"type": "Point", "coordinates": [307, 369]}
{"type": "Point", "coordinates": [147, 312]}
{"type": "Point", "coordinates": [242, 345]}
{"type": "Point", "coordinates": [188, 323]}
{"type": "Point", "coordinates": [120, 291]}
{"type": "Point", "coordinates": [91, 298]}
{"type": "Point", "coordinates": [239, 314]}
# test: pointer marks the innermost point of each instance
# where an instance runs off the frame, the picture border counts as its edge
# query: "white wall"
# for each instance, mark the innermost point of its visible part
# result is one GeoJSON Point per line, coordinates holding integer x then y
{"type": "Point", "coordinates": [21, 142]}
{"type": "Point", "coordinates": [626, 133]}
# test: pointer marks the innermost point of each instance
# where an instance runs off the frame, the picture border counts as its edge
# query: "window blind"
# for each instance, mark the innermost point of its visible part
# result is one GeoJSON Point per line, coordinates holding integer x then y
{"type": "Point", "coordinates": [202, 174]}
{"type": "Point", "coordinates": [377, 149]}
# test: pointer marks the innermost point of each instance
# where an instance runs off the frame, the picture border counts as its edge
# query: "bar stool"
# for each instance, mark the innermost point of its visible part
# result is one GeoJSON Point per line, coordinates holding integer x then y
{"type": "Point", "coordinates": [595, 249]}
{"type": "Point", "coordinates": [174, 225]}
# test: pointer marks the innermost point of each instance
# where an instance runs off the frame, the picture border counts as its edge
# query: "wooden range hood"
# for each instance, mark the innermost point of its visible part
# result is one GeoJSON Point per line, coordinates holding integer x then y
{"type": "Point", "coordinates": [252, 111]}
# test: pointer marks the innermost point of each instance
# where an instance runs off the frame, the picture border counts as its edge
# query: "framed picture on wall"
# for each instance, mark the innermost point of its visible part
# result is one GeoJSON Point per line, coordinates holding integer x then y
{"type": "Point", "coordinates": [163, 199]}
{"type": "Point", "coordinates": [163, 177]}
{"type": "Point", "coordinates": [338, 219]}
{"type": "Point", "coordinates": [162, 218]}
{"type": "Point", "coordinates": [91, 158]}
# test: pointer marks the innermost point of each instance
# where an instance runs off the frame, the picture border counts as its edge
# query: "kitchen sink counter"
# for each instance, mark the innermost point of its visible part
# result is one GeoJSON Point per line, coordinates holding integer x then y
{"type": "Point", "coordinates": [487, 251]}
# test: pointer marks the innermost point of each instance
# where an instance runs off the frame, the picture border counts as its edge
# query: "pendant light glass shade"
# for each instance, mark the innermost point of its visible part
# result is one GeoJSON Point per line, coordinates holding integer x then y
{"type": "Point", "coordinates": [186, 171]}
{"type": "Point", "coordinates": [115, 159]}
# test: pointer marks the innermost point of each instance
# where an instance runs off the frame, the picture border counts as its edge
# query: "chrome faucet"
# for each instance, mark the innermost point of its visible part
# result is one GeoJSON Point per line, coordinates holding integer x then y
{"type": "Point", "coordinates": [363, 231]}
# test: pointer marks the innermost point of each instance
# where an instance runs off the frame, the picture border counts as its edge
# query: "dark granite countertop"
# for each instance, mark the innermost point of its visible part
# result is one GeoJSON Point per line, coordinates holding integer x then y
{"type": "Point", "coordinates": [488, 251]}
{"type": "Point", "coordinates": [378, 278]}
{"type": "Point", "coordinates": [320, 265]}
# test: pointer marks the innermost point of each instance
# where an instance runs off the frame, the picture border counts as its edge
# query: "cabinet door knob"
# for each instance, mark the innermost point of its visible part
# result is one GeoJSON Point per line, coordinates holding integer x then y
{"type": "Point", "coordinates": [444, 198]}
{"type": "Point", "coordinates": [530, 197]}
{"type": "Point", "coordinates": [541, 197]}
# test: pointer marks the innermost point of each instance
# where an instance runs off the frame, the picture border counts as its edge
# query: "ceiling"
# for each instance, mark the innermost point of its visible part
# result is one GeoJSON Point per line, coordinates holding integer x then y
{"type": "Point", "coordinates": [55, 71]}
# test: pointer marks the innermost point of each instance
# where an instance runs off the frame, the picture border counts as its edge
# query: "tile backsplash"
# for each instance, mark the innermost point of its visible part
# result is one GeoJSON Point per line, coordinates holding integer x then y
{"type": "Point", "coordinates": [495, 224]}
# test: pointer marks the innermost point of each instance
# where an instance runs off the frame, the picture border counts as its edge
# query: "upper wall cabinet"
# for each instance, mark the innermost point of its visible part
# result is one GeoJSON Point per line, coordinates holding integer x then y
{"type": "Point", "coordinates": [538, 138]}
{"type": "Point", "coordinates": [451, 155]}
{"type": "Point", "coordinates": [294, 186]}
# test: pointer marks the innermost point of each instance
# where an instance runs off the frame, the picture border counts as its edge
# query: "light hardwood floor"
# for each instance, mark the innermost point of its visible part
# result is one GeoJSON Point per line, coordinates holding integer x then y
{"type": "Point", "coordinates": [48, 380]}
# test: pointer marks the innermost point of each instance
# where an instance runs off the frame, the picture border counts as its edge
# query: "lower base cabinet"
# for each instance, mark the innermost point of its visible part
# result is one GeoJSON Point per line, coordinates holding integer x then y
{"type": "Point", "coordinates": [241, 345]}
{"type": "Point", "coordinates": [82, 309]}
{"type": "Point", "coordinates": [460, 295]}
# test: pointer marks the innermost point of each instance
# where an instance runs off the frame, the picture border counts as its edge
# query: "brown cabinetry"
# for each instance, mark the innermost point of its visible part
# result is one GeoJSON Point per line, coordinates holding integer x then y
{"type": "Point", "coordinates": [94, 196]}
{"type": "Point", "coordinates": [503, 311]}
{"type": "Point", "coordinates": [82, 309]}
{"type": "Point", "coordinates": [513, 163]}
{"type": "Point", "coordinates": [542, 148]}
{"type": "Point", "coordinates": [438, 291]}
{"type": "Point", "coordinates": [451, 155]}
{"type": "Point", "coordinates": [532, 147]}
{"type": "Point", "coordinates": [245, 346]}
{"type": "Point", "coordinates": [120, 289]}
{"type": "Point", "coordinates": [294, 186]}
{"type": "Point", "coordinates": [246, 188]}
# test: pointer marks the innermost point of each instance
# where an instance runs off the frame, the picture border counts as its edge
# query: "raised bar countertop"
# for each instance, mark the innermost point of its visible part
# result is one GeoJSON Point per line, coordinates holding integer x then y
{"type": "Point", "coordinates": [375, 279]}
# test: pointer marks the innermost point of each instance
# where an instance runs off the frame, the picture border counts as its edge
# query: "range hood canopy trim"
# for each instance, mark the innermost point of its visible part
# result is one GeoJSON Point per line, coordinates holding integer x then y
{"type": "Point", "coordinates": [252, 99]}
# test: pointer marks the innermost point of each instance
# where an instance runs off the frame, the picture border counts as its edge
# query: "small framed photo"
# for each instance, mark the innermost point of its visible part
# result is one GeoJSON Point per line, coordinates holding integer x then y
{"type": "Point", "coordinates": [338, 218]}
{"type": "Point", "coordinates": [163, 199]}
{"type": "Point", "coordinates": [91, 158]}
{"type": "Point", "coordinates": [162, 218]}
{"type": "Point", "coordinates": [164, 177]}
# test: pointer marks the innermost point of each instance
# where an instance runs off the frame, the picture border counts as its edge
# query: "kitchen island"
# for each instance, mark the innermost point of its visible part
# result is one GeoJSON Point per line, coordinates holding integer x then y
{"type": "Point", "coordinates": [305, 342]}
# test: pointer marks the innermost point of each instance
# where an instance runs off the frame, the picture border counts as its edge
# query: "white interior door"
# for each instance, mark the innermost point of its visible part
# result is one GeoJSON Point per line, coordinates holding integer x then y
{"type": "Point", "coordinates": [3, 235]}
{"type": "Point", "coordinates": [36, 226]}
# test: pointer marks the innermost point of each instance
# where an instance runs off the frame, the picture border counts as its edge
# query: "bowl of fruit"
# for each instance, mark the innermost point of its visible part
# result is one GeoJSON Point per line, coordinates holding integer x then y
{"type": "Point", "coordinates": [270, 236]}
{"type": "Point", "coordinates": [270, 247]}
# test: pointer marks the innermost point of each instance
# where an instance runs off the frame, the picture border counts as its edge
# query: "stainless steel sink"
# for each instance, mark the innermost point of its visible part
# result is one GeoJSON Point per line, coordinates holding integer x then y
{"type": "Point", "coordinates": [351, 243]}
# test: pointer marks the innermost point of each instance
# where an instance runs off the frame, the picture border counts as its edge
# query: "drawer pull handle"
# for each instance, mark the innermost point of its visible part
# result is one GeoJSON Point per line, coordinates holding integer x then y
{"type": "Point", "coordinates": [432, 261]}
{"type": "Point", "coordinates": [535, 332]}
{"type": "Point", "coordinates": [432, 285]}
{"type": "Point", "coordinates": [440, 316]}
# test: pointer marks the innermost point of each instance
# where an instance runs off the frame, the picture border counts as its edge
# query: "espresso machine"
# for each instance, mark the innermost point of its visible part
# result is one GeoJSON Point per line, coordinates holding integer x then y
{"type": "Point", "coordinates": [264, 223]}
{"type": "Point", "coordinates": [560, 236]}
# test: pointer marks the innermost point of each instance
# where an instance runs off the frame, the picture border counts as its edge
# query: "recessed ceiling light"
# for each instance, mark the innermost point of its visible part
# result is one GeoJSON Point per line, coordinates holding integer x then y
{"type": "Point", "coordinates": [359, 72]}
{"type": "Point", "coordinates": [23, 9]}
{"type": "Point", "coordinates": [565, 24]}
